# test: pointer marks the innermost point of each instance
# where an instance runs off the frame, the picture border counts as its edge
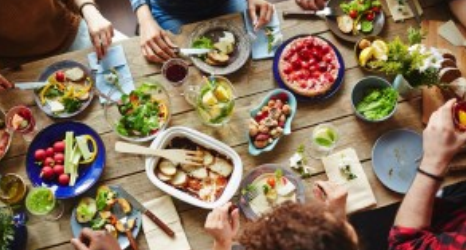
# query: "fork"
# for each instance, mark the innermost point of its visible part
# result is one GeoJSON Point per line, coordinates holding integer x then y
{"type": "Point", "coordinates": [121, 216]}
{"type": "Point", "coordinates": [174, 155]}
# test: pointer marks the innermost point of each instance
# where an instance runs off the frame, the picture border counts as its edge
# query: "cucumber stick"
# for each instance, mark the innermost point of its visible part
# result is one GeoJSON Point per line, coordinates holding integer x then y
{"type": "Point", "coordinates": [69, 141]}
{"type": "Point", "coordinates": [75, 158]}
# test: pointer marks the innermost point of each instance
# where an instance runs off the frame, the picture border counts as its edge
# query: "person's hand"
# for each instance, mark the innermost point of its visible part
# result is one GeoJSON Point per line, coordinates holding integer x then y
{"type": "Point", "coordinates": [265, 10]}
{"type": "Point", "coordinates": [100, 30]}
{"type": "Point", "coordinates": [5, 84]}
{"type": "Point", "coordinates": [333, 195]}
{"type": "Point", "coordinates": [156, 46]}
{"type": "Point", "coordinates": [223, 226]}
{"type": "Point", "coordinates": [441, 140]}
{"type": "Point", "coordinates": [311, 4]}
{"type": "Point", "coordinates": [95, 240]}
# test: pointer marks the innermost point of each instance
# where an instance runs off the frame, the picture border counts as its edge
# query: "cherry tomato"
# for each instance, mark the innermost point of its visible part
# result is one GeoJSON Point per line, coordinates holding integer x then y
{"type": "Point", "coordinates": [353, 14]}
{"type": "Point", "coordinates": [47, 173]}
{"type": "Point", "coordinates": [59, 158]}
{"type": "Point", "coordinates": [49, 152]}
{"type": "Point", "coordinates": [64, 179]}
{"type": "Point", "coordinates": [60, 76]}
{"type": "Point", "coordinates": [271, 182]}
{"type": "Point", "coordinates": [59, 170]}
{"type": "Point", "coordinates": [39, 155]}
{"type": "Point", "coordinates": [370, 16]}
{"type": "Point", "coordinates": [376, 9]}
{"type": "Point", "coordinates": [49, 162]}
{"type": "Point", "coordinates": [59, 146]}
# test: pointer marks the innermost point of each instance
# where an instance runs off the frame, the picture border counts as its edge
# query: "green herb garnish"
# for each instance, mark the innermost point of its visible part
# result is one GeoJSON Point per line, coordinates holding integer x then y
{"type": "Point", "coordinates": [346, 171]}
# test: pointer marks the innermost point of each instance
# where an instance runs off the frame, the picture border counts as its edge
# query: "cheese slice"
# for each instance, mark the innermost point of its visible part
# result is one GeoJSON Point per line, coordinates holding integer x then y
{"type": "Point", "coordinates": [55, 106]}
{"type": "Point", "coordinates": [360, 195]}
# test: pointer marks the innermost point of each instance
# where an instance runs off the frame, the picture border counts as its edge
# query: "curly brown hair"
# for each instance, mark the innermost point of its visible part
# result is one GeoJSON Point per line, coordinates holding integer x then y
{"type": "Point", "coordinates": [298, 227]}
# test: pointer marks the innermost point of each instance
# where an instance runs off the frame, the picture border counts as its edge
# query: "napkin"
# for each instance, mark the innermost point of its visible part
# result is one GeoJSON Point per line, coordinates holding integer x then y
{"type": "Point", "coordinates": [407, 13]}
{"type": "Point", "coordinates": [164, 208]}
{"type": "Point", "coordinates": [360, 195]}
{"type": "Point", "coordinates": [451, 33]}
{"type": "Point", "coordinates": [259, 40]}
{"type": "Point", "coordinates": [115, 59]}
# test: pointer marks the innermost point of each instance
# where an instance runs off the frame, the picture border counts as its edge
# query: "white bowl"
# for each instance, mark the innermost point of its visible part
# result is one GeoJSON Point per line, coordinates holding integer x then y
{"type": "Point", "coordinates": [208, 142]}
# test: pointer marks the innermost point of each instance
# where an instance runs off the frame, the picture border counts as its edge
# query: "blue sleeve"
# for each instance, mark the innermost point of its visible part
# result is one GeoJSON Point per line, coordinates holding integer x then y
{"type": "Point", "coordinates": [135, 4]}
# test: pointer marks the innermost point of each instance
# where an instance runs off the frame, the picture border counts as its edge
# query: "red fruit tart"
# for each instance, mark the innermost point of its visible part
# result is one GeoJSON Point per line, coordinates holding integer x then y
{"type": "Point", "coordinates": [309, 66]}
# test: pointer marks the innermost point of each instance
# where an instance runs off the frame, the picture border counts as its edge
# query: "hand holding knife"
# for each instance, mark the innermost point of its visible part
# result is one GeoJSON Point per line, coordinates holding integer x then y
{"type": "Point", "coordinates": [145, 211]}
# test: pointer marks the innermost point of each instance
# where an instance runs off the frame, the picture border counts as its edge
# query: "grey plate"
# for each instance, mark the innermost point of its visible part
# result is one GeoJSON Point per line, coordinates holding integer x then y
{"type": "Point", "coordinates": [394, 158]}
{"type": "Point", "coordinates": [379, 22]}
{"type": "Point", "coordinates": [76, 227]}
{"type": "Point", "coordinates": [240, 55]}
{"type": "Point", "coordinates": [66, 64]}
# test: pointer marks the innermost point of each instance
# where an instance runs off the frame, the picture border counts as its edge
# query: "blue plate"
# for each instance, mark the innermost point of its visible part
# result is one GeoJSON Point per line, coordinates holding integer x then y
{"type": "Point", "coordinates": [88, 174]}
{"type": "Point", "coordinates": [77, 227]}
{"type": "Point", "coordinates": [336, 86]}
{"type": "Point", "coordinates": [63, 65]}
{"type": "Point", "coordinates": [395, 158]}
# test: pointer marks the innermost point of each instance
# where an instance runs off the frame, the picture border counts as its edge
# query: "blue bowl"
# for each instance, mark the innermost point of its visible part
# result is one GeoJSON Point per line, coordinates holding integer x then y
{"type": "Point", "coordinates": [359, 92]}
{"type": "Point", "coordinates": [88, 174]}
{"type": "Point", "coordinates": [286, 130]}
{"type": "Point", "coordinates": [336, 86]}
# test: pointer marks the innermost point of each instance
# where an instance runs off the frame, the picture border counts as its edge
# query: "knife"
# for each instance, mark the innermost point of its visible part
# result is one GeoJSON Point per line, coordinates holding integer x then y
{"type": "Point", "coordinates": [325, 12]}
{"type": "Point", "coordinates": [145, 211]}
{"type": "Point", "coordinates": [30, 85]}
{"type": "Point", "coordinates": [192, 52]}
{"type": "Point", "coordinates": [415, 12]}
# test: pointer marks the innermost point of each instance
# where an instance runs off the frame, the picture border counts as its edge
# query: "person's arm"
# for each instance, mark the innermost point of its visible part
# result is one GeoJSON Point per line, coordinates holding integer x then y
{"type": "Point", "coordinates": [223, 226]}
{"type": "Point", "coordinates": [156, 46]}
{"type": "Point", "coordinates": [100, 29]}
{"type": "Point", "coordinates": [458, 7]}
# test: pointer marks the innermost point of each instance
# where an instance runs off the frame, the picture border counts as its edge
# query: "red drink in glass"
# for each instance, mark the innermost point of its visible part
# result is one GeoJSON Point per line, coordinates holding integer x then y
{"type": "Point", "coordinates": [459, 115]}
{"type": "Point", "coordinates": [19, 119]}
{"type": "Point", "coordinates": [175, 71]}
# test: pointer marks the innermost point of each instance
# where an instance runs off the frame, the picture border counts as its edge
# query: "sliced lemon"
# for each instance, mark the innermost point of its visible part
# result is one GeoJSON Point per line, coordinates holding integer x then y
{"type": "Point", "coordinates": [222, 94]}
{"type": "Point", "coordinates": [366, 55]}
{"type": "Point", "coordinates": [380, 50]}
{"type": "Point", "coordinates": [462, 117]}
{"type": "Point", "coordinates": [209, 99]}
{"type": "Point", "coordinates": [325, 137]}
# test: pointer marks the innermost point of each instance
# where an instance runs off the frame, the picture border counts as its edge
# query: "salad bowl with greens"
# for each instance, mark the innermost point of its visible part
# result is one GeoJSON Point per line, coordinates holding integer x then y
{"type": "Point", "coordinates": [374, 99]}
{"type": "Point", "coordinates": [140, 115]}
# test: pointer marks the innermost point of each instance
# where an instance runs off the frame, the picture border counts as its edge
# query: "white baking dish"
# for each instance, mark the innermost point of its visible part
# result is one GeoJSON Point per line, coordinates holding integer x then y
{"type": "Point", "coordinates": [208, 142]}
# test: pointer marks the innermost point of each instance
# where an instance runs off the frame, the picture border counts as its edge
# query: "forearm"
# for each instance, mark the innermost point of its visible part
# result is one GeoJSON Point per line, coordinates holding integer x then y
{"type": "Point", "coordinates": [87, 10]}
{"type": "Point", "coordinates": [458, 7]}
{"type": "Point", "coordinates": [417, 206]}
{"type": "Point", "coordinates": [144, 14]}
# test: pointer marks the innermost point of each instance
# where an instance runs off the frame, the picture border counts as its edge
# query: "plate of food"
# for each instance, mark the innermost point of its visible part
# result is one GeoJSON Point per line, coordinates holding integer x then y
{"type": "Point", "coordinates": [230, 47]}
{"type": "Point", "coordinates": [96, 210]}
{"type": "Point", "coordinates": [396, 156]}
{"type": "Point", "coordinates": [208, 186]}
{"type": "Point", "coordinates": [67, 156]}
{"type": "Point", "coordinates": [358, 18]}
{"type": "Point", "coordinates": [310, 67]}
{"type": "Point", "coordinates": [268, 186]}
{"type": "Point", "coordinates": [271, 120]}
{"type": "Point", "coordinates": [140, 115]}
{"type": "Point", "coordinates": [69, 89]}
{"type": "Point", "coordinates": [5, 136]}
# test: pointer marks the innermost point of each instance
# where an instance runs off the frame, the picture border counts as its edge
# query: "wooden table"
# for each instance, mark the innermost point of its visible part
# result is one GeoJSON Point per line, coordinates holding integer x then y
{"type": "Point", "coordinates": [252, 83]}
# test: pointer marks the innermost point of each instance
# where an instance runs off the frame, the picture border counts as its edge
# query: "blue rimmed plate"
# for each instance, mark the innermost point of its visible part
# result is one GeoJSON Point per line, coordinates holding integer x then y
{"type": "Point", "coordinates": [395, 158]}
{"type": "Point", "coordinates": [336, 86]}
{"type": "Point", "coordinates": [88, 174]}
{"type": "Point", "coordinates": [123, 241]}
{"type": "Point", "coordinates": [63, 65]}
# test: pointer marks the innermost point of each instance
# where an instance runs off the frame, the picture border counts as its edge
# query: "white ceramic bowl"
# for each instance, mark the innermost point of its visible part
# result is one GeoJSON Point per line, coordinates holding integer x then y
{"type": "Point", "coordinates": [208, 142]}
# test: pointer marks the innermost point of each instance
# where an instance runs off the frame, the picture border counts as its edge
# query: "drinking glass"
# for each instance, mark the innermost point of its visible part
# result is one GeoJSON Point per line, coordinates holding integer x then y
{"type": "Point", "coordinates": [12, 189]}
{"type": "Point", "coordinates": [323, 140]}
{"type": "Point", "coordinates": [213, 100]}
{"type": "Point", "coordinates": [41, 201]}
{"type": "Point", "coordinates": [29, 130]}
{"type": "Point", "coordinates": [175, 71]}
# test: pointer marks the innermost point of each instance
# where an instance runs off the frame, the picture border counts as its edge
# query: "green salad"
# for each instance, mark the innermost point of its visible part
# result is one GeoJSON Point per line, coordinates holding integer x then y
{"type": "Point", "coordinates": [378, 103]}
{"type": "Point", "coordinates": [142, 113]}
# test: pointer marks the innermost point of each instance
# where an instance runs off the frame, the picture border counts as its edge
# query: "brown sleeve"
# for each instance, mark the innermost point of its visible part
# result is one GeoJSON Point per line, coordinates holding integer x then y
{"type": "Point", "coordinates": [71, 5]}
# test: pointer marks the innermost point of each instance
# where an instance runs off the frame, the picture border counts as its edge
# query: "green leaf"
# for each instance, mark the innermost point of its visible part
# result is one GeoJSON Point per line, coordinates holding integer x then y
{"type": "Point", "coordinates": [203, 43]}
{"type": "Point", "coordinates": [367, 26]}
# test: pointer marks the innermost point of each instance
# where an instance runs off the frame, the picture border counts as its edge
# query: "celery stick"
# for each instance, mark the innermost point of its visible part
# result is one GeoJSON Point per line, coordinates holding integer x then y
{"type": "Point", "coordinates": [69, 140]}
{"type": "Point", "coordinates": [83, 147]}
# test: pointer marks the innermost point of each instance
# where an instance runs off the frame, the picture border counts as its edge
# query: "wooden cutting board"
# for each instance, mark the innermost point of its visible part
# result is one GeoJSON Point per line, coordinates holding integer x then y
{"type": "Point", "coordinates": [432, 97]}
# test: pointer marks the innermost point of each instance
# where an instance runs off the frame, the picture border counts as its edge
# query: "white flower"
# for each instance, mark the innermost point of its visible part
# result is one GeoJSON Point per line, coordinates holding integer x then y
{"type": "Point", "coordinates": [295, 159]}
{"type": "Point", "coordinates": [111, 78]}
